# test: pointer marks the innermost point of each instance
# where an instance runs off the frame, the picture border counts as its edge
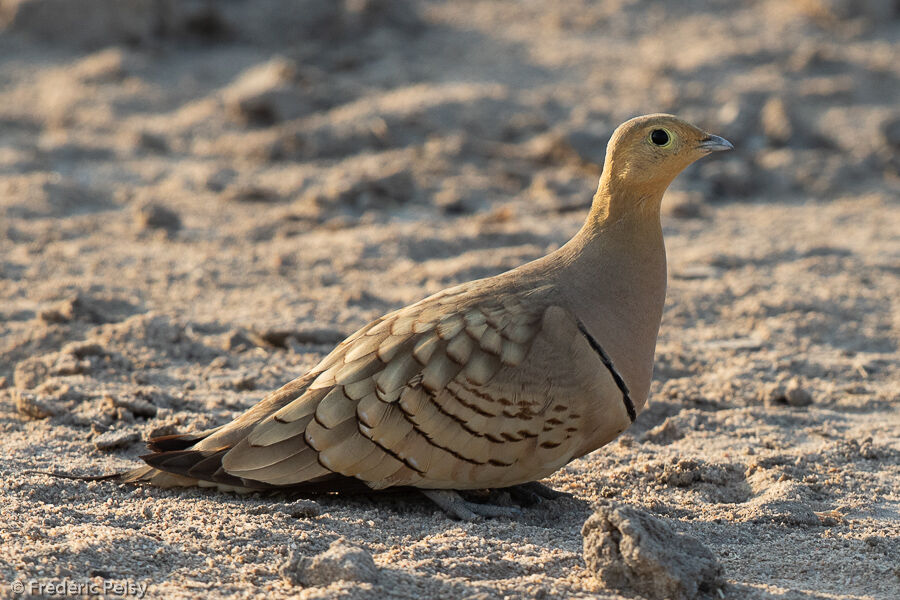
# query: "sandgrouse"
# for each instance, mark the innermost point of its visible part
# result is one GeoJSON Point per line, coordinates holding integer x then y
{"type": "Point", "coordinates": [490, 384]}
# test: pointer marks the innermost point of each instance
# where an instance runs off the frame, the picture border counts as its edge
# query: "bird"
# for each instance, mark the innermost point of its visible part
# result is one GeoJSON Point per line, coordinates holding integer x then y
{"type": "Point", "coordinates": [494, 383]}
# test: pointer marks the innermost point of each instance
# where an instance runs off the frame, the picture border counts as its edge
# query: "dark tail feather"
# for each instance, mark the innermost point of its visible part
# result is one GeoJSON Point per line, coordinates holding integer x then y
{"type": "Point", "coordinates": [206, 465]}
{"type": "Point", "coordinates": [203, 465]}
{"type": "Point", "coordinates": [178, 441]}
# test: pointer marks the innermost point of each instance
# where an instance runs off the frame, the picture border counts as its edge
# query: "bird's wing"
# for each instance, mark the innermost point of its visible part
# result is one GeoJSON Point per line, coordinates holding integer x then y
{"type": "Point", "coordinates": [457, 391]}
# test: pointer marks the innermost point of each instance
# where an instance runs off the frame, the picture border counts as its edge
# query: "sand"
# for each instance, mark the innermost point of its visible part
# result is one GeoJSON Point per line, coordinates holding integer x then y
{"type": "Point", "coordinates": [197, 200]}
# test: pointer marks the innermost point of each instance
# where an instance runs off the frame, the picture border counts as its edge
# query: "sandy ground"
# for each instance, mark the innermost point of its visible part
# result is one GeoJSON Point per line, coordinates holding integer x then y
{"type": "Point", "coordinates": [198, 199]}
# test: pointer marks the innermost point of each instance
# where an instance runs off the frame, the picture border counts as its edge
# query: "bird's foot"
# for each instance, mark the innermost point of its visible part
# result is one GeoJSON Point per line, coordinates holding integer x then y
{"type": "Point", "coordinates": [531, 493]}
{"type": "Point", "coordinates": [452, 503]}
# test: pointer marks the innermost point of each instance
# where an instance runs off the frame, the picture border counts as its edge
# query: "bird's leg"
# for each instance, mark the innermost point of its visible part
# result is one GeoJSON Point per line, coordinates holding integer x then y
{"type": "Point", "coordinates": [457, 507]}
{"type": "Point", "coordinates": [526, 494]}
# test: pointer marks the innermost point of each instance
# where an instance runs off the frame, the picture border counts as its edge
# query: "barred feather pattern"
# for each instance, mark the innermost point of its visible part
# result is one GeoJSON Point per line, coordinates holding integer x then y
{"type": "Point", "coordinates": [453, 392]}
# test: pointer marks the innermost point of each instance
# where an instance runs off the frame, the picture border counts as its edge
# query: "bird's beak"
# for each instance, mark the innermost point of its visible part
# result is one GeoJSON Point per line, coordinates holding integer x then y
{"type": "Point", "coordinates": [714, 143]}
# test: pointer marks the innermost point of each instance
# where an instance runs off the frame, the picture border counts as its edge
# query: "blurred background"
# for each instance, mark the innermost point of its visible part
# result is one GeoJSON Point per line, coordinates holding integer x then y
{"type": "Point", "coordinates": [199, 198]}
{"type": "Point", "coordinates": [275, 164]}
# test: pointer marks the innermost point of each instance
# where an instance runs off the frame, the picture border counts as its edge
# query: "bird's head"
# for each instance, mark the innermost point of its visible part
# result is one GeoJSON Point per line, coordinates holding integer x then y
{"type": "Point", "coordinates": [646, 153]}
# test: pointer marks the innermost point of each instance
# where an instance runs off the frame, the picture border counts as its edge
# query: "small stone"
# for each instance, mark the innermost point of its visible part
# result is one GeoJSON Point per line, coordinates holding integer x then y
{"type": "Point", "coordinates": [795, 395]}
{"type": "Point", "coordinates": [115, 439]}
{"type": "Point", "coordinates": [155, 216]}
{"type": "Point", "coordinates": [302, 509]}
{"type": "Point", "coordinates": [631, 550]}
{"type": "Point", "coordinates": [137, 406]}
{"type": "Point", "coordinates": [341, 562]}
{"type": "Point", "coordinates": [773, 394]}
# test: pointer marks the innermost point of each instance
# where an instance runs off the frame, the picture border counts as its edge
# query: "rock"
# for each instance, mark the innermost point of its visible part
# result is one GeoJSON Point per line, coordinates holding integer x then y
{"type": "Point", "coordinates": [776, 123]}
{"type": "Point", "coordinates": [795, 395]}
{"type": "Point", "coordinates": [631, 550]}
{"type": "Point", "coordinates": [792, 393]}
{"type": "Point", "coordinates": [341, 562]}
{"type": "Point", "coordinates": [111, 440]}
{"type": "Point", "coordinates": [137, 405]}
{"type": "Point", "coordinates": [156, 216]}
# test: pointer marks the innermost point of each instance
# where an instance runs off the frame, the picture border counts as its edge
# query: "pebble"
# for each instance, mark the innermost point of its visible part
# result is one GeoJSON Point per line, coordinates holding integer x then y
{"type": "Point", "coordinates": [156, 216]}
{"type": "Point", "coordinates": [115, 439]}
{"type": "Point", "coordinates": [792, 393]}
{"type": "Point", "coordinates": [796, 395]}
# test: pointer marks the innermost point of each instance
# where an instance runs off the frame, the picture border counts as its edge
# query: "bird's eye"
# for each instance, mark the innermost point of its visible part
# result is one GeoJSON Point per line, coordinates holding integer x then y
{"type": "Point", "coordinates": [660, 137]}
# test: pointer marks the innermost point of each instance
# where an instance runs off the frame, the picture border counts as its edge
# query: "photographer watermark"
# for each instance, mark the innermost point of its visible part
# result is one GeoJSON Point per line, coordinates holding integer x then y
{"type": "Point", "coordinates": [71, 587]}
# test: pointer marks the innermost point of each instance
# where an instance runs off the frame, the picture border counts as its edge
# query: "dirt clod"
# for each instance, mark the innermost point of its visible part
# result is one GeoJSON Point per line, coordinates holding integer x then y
{"type": "Point", "coordinates": [629, 549]}
{"type": "Point", "coordinates": [341, 562]}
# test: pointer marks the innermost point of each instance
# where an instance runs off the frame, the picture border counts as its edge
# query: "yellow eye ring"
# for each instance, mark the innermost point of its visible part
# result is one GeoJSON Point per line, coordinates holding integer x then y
{"type": "Point", "coordinates": [661, 137]}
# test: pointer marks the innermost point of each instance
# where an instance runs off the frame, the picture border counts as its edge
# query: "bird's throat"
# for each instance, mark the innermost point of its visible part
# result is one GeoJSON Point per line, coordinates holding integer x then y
{"type": "Point", "coordinates": [618, 262]}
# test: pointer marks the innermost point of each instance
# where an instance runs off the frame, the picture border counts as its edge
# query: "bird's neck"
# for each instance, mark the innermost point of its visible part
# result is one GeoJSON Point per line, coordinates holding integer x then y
{"type": "Point", "coordinates": [617, 265]}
